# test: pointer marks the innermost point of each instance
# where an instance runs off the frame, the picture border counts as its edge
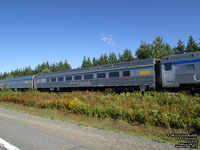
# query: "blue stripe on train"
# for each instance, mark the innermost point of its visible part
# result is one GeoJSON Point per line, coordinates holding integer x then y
{"type": "Point", "coordinates": [95, 72]}
{"type": "Point", "coordinates": [188, 61]}
{"type": "Point", "coordinates": [184, 62]}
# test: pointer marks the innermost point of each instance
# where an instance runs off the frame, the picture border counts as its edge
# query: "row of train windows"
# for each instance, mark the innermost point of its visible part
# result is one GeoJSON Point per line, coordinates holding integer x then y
{"type": "Point", "coordinates": [90, 76]}
{"type": "Point", "coordinates": [188, 68]}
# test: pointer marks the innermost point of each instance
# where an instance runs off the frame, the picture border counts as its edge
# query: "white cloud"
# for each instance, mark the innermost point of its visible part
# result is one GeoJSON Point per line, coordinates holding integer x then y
{"type": "Point", "coordinates": [108, 38]}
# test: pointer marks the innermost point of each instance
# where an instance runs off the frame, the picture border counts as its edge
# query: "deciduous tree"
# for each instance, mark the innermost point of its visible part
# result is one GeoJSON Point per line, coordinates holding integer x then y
{"type": "Point", "coordinates": [144, 51]}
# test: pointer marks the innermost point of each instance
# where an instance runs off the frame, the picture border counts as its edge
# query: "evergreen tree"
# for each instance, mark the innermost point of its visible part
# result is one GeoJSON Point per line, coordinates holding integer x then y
{"type": "Point", "coordinates": [120, 58]}
{"type": "Point", "coordinates": [160, 48]}
{"type": "Point", "coordinates": [127, 56]}
{"type": "Point", "coordinates": [97, 62]}
{"type": "Point", "coordinates": [112, 58]}
{"type": "Point", "coordinates": [105, 57]}
{"type": "Point", "coordinates": [44, 66]}
{"type": "Point", "coordinates": [101, 60]}
{"type": "Point", "coordinates": [28, 71]}
{"type": "Point", "coordinates": [5, 75]}
{"type": "Point", "coordinates": [60, 66]}
{"type": "Point", "coordinates": [66, 66]}
{"type": "Point", "coordinates": [94, 62]}
{"type": "Point", "coordinates": [47, 64]}
{"type": "Point", "coordinates": [84, 62]}
{"type": "Point", "coordinates": [180, 49]}
{"type": "Point", "coordinates": [144, 51]}
{"type": "Point", "coordinates": [46, 70]}
{"type": "Point", "coordinates": [168, 50]}
{"type": "Point", "coordinates": [38, 69]}
{"type": "Point", "coordinates": [53, 67]}
{"type": "Point", "coordinates": [89, 63]}
{"type": "Point", "coordinates": [191, 45]}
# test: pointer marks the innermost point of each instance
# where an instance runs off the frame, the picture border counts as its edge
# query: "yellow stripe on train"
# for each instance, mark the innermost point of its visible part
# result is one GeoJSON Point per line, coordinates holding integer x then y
{"type": "Point", "coordinates": [93, 71]}
{"type": "Point", "coordinates": [144, 72]}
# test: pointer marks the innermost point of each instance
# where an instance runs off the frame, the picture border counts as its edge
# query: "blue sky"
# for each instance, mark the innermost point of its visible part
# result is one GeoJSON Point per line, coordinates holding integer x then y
{"type": "Point", "coordinates": [35, 31]}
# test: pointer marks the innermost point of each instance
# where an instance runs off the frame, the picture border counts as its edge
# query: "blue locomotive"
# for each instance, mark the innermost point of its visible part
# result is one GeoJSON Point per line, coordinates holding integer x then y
{"type": "Point", "coordinates": [174, 72]}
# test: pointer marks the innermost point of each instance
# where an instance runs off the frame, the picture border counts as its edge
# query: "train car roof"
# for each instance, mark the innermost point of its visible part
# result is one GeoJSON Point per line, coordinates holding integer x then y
{"type": "Point", "coordinates": [17, 78]}
{"type": "Point", "coordinates": [79, 69]}
{"type": "Point", "coordinates": [181, 57]}
{"type": "Point", "coordinates": [100, 67]}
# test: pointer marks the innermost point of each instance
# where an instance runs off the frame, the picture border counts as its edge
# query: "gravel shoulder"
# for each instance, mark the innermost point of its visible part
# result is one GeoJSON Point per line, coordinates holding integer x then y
{"type": "Point", "coordinates": [44, 133]}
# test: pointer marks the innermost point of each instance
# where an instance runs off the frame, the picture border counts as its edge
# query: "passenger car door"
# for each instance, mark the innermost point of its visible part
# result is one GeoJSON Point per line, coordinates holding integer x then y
{"type": "Point", "coordinates": [168, 75]}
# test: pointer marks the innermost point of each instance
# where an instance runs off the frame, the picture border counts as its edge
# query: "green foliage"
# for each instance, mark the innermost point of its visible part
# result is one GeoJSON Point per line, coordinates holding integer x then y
{"type": "Point", "coordinates": [160, 49]}
{"type": "Point", "coordinates": [126, 56]}
{"type": "Point", "coordinates": [112, 58]}
{"type": "Point", "coordinates": [105, 59]}
{"type": "Point", "coordinates": [167, 110]}
{"type": "Point", "coordinates": [5, 87]}
{"type": "Point", "coordinates": [43, 68]}
{"type": "Point", "coordinates": [180, 49]}
{"type": "Point", "coordinates": [84, 63]}
{"type": "Point", "coordinates": [144, 51]}
{"type": "Point", "coordinates": [155, 50]}
{"type": "Point", "coordinates": [46, 70]}
{"type": "Point", "coordinates": [94, 62]}
{"type": "Point", "coordinates": [192, 46]}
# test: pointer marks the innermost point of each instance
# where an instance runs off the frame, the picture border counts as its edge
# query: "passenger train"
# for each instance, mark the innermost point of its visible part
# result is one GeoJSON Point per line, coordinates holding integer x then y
{"type": "Point", "coordinates": [170, 72]}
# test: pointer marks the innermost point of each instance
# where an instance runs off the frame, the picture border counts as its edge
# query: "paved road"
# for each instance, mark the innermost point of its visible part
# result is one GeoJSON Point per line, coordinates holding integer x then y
{"type": "Point", "coordinates": [28, 132]}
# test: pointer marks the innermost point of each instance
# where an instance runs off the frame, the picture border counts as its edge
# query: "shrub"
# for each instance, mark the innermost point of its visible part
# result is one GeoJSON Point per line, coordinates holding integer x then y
{"type": "Point", "coordinates": [176, 110]}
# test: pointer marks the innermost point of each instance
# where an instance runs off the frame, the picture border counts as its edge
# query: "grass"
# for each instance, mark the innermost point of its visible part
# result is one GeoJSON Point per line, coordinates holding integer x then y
{"type": "Point", "coordinates": [155, 108]}
{"type": "Point", "coordinates": [158, 134]}
{"type": "Point", "coordinates": [152, 115]}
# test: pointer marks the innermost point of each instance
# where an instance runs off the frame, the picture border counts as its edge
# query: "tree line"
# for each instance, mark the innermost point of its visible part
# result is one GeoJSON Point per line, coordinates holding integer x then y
{"type": "Point", "coordinates": [39, 69]}
{"type": "Point", "coordinates": [156, 49]}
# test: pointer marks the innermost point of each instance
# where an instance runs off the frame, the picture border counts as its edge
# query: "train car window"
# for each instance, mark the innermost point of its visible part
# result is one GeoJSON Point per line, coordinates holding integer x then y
{"type": "Point", "coordinates": [40, 81]}
{"type": "Point", "coordinates": [53, 79]}
{"type": "Point", "coordinates": [68, 78]}
{"type": "Point", "coordinates": [77, 77]}
{"type": "Point", "coordinates": [113, 74]}
{"type": "Point", "coordinates": [190, 68]}
{"type": "Point", "coordinates": [126, 73]}
{"type": "Point", "coordinates": [168, 66]}
{"type": "Point", "coordinates": [60, 79]}
{"type": "Point", "coordinates": [88, 76]}
{"type": "Point", "coordinates": [101, 75]}
{"type": "Point", "coordinates": [47, 79]}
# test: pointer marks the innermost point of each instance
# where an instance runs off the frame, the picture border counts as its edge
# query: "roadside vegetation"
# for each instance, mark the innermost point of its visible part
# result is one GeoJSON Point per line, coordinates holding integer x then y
{"type": "Point", "coordinates": [168, 110]}
{"type": "Point", "coordinates": [152, 115]}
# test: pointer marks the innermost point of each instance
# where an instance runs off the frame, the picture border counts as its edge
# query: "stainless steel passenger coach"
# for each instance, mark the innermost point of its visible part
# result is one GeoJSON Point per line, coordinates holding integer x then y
{"type": "Point", "coordinates": [135, 74]}
{"type": "Point", "coordinates": [181, 70]}
{"type": "Point", "coordinates": [21, 83]}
